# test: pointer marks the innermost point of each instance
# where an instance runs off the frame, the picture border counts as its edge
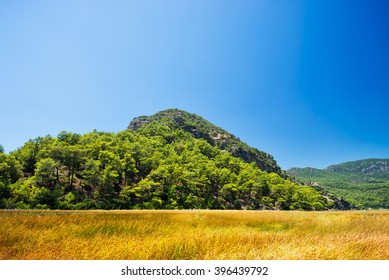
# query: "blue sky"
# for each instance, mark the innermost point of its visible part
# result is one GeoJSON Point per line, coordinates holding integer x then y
{"type": "Point", "coordinates": [306, 81]}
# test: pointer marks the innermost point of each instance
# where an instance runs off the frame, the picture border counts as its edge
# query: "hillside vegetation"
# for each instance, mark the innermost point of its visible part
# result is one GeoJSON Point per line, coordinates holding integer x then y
{"type": "Point", "coordinates": [214, 135]}
{"type": "Point", "coordinates": [155, 166]}
{"type": "Point", "coordinates": [364, 183]}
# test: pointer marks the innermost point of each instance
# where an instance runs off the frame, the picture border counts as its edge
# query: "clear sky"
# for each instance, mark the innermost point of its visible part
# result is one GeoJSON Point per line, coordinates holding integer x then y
{"type": "Point", "coordinates": [306, 81]}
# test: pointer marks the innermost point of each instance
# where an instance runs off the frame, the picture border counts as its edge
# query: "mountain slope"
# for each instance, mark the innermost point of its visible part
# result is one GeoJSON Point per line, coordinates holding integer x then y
{"type": "Point", "coordinates": [214, 135]}
{"type": "Point", "coordinates": [161, 165]}
{"type": "Point", "coordinates": [365, 183]}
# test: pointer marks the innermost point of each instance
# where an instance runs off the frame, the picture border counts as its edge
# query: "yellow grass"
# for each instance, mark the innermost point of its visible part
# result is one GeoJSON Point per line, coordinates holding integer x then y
{"type": "Point", "coordinates": [193, 235]}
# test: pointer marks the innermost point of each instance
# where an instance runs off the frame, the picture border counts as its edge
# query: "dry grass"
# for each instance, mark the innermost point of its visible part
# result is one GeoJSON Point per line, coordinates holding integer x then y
{"type": "Point", "coordinates": [193, 235]}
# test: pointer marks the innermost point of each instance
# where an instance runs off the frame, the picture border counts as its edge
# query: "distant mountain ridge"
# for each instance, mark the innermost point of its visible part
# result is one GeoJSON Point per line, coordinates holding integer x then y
{"type": "Point", "coordinates": [367, 166]}
{"type": "Point", "coordinates": [365, 183]}
{"type": "Point", "coordinates": [214, 135]}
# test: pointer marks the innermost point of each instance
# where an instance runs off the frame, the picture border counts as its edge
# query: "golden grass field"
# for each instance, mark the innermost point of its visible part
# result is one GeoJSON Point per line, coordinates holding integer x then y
{"type": "Point", "coordinates": [194, 235]}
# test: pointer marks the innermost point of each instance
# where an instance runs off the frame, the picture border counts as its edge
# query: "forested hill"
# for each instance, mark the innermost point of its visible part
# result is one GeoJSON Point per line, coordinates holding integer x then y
{"type": "Point", "coordinates": [365, 183]}
{"type": "Point", "coordinates": [214, 135]}
{"type": "Point", "coordinates": [162, 165]}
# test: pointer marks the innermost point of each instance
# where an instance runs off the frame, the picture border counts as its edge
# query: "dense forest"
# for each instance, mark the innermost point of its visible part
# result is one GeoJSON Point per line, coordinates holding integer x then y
{"type": "Point", "coordinates": [364, 183]}
{"type": "Point", "coordinates": [156, 164]}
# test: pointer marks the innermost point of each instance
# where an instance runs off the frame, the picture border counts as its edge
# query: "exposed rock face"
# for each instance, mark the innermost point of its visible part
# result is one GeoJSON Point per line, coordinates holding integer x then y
{"type": "Point", "coordinates": [380, 166]}
{"type": "Point", "coordinates": [368, 166]}
{"type": "Point", "coordinates": [216, 136]}
{"type": "Point", "coordinates": [138, 122]}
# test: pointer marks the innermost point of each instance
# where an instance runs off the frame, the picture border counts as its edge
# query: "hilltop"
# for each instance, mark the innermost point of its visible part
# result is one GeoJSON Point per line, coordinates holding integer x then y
{"type": "Point", "coordinates": [364, 183]}
{"type": "Point", "coordinates": [214, 135]}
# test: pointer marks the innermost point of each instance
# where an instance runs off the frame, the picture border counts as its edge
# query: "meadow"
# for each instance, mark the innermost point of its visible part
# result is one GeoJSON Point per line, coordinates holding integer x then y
{"type": "Point", "coordinates": [194, 235]}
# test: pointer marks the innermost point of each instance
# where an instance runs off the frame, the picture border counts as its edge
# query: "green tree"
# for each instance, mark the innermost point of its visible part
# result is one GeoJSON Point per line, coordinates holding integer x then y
{"type": "Point", "coordinates": [68, 137]}
{"type": "Point", "coordinates": [72, 160]}
{"type": "Point", "coordinates": [10, 169]}
{"type": "Point", "coordinates": [45, 173]}
{"type": "Point", "coordinates": [91, 173]}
